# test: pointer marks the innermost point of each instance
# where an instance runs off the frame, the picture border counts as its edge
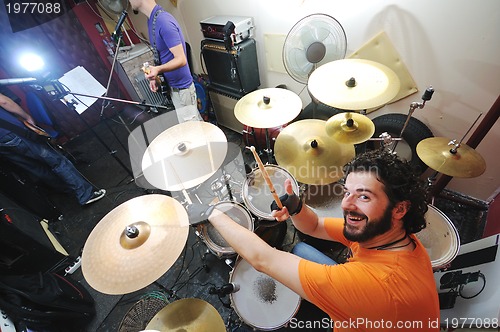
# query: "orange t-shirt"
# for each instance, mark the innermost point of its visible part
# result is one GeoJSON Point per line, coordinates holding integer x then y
{"type": "Point", "coordinates": [376, 290]}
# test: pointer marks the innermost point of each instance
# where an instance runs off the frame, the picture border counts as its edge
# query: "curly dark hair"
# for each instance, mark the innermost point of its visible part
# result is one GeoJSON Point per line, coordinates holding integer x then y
{"type": "Point", "coordinates": [401, 183]}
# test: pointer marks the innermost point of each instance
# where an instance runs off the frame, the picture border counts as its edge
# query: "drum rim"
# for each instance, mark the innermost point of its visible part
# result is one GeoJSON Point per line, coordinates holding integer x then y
{"type": "Point", "coordinates": [226, 251]}
{"type": "Point", "coordinates": [239, 261]}
{"type": "Point", "coordinates": [451, 254]}
{"type": "Point", "coordinates": [250, 206]}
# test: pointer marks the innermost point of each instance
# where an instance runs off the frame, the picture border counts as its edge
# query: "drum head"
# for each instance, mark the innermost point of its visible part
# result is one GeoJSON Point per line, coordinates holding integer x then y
{"type": "Point", "coordinates": [212, 237]}
{"type": "Point", "coordinates": [261, 301]}
{"type": "Point", "coordinates": [256, 193]}
{"type": "Point", "coordinates": [440, 238]}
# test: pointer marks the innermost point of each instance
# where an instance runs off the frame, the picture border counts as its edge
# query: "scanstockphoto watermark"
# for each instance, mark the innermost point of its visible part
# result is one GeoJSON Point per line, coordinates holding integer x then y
{"type": "Point", "coordinates": [362, 323]}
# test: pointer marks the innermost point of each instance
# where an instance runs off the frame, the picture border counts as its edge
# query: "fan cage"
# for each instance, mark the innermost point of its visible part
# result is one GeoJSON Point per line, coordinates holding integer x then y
{"type": "Point", "coordinates": [294, 57]}
{"type": "Point", "coordinates": [142, 312]}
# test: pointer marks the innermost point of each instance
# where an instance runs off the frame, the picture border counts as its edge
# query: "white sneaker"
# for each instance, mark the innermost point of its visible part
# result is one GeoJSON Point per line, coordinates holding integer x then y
{"type": "Point", "coordinates": [96, 195]}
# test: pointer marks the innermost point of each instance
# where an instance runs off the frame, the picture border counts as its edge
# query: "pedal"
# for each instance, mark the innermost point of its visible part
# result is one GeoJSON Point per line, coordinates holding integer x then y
{"type": "Point", "coordinates": [74, 266]}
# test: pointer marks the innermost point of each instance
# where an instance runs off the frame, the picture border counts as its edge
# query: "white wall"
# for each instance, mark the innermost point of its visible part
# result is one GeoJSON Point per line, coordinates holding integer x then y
{"type": "Point", "coordinates": [453, 45]}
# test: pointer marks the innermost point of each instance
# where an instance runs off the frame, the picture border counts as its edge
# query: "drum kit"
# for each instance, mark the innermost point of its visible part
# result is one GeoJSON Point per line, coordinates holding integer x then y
{"type": "Point", "coordinates": [138, 241]}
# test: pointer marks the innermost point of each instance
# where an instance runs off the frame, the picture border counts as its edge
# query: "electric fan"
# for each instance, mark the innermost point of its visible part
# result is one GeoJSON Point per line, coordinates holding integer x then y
{"type": "Point", "coordinates": [314, 40]}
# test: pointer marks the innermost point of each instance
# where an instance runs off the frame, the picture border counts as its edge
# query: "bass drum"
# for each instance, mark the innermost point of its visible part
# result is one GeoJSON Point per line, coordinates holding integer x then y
{"type": "Point", "coordinates": [440, 238]}
{"type": "Point", "coordinates": [261, 302]}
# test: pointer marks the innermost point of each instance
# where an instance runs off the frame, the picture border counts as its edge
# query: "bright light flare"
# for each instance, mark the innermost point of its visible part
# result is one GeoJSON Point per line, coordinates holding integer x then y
{"type": "Point", "coordinates": [31, 62]}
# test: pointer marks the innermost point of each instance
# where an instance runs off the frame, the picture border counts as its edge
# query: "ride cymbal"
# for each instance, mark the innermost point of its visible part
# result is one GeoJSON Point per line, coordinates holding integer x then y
{"type": "Point", "coordinates": [350, 128]}
{"type": "Point", "coordinates": [188, 315]}
{"type": "Point", "coordinates": [305, 150]}
{"type": "Point", "coordinates": [185, 155]}
{"type": "Point", "coordinates": [353, 84]}
{"type": "Point", "coordinates": [268, 108]}
{"type": "Point", "coordinates": [442, 155]}
{"type": "Point", "coordinates": [135, 244]}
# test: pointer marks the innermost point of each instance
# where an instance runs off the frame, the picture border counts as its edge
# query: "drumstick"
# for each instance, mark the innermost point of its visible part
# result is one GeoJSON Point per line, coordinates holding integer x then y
{"type": "Point", "coordinates": [266, 176]}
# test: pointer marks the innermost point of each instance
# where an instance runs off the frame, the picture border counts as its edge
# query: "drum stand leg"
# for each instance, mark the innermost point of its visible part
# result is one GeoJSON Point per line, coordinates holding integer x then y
{"type": "Point", "coordinates": [431, 181]}
{"type": "Point", "coordinates": [268, 149]}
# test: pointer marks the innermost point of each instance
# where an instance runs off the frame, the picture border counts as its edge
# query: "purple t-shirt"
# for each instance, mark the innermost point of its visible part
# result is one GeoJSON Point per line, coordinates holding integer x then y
{"type": "Point", "coordinates": [168, 35]}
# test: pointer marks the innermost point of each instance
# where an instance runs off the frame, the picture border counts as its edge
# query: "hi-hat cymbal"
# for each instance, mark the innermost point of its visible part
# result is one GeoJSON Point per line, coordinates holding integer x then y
{"type": "Point", "coordinates": [309, 154]}
{"type": "Point", "coordinates": [353, 84]}
{"type": "Point", "coordinates": [442, 155]}
{"type": "Point", "coordinates": [188, 315]}
{"type": "Point", "coordinates": [268, 108]}
{"type": "Point", "coordinates": [350, 128]}
{"type": "Point", "coordinates": [135, 244]}
{"type": "Point", "coordinates": [185, 155]}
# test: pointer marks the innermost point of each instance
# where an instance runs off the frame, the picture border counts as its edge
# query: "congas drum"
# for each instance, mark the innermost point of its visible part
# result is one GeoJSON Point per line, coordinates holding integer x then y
{"type": "Point", "coordinates": [212, 238]}
{"type": "Point", "coordinates": [256, 193]}
{"type": "Point", "coordinates": [440, 238]}
{"type": "Point", "coordinates": [261, 301]}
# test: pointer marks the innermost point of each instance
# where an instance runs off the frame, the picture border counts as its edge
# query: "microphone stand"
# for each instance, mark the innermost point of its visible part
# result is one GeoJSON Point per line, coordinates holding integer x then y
{"type": "Point", "coordinates": [59, 93]}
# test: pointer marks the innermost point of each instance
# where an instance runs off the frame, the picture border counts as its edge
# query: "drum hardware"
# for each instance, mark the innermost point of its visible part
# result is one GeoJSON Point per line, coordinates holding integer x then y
{"type": "Point", "coordinates": [189, 315]}
{"type": "Point", "coordinates": [135, 244]}
{"type": "Point", "coordinates": [413, 106]}
{"type": "Point", "coordinates": [357, 84]}
{"type": "Point", "coordinates": [312, 156]}
{"type": "Point", "coordinates": [350, 128]}
{"type": "Point", "coordinates": [184, 155]}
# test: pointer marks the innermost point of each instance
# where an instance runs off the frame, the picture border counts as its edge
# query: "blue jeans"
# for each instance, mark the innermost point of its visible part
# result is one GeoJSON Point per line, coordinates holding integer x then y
{"type": "Point", "coordinates": [310, 253]}
{"type": "Point", "coordinates": [46, 165]}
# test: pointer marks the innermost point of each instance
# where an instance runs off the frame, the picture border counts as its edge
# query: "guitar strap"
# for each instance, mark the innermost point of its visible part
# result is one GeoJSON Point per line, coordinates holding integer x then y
{"type": "Point", "coordinates": [156, 57]}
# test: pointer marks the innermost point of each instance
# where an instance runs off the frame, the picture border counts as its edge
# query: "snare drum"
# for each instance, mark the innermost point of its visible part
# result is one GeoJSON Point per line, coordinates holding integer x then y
{"type": "Point", "coordinates": [212, 238]}
{"type": "Point", "coordinates": [261, 301]}
{"type": "Point", "coordinates": [256, 193]}
{"type": "Point", "coordinates": [440, 238]}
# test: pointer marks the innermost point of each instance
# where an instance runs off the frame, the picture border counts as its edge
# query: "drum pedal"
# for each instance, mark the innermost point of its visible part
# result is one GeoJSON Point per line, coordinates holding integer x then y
{"type": "Point", "coordinates": [74, 266]}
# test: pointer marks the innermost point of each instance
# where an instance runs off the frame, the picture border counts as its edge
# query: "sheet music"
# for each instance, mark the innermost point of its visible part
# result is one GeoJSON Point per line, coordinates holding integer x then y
{"type": "Point", "coordinates": [79, 80]}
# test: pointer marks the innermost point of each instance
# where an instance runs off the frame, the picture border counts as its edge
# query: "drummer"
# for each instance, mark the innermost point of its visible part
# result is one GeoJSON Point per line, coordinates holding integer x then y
{"type": "Point", "coordinates": [388, 282]}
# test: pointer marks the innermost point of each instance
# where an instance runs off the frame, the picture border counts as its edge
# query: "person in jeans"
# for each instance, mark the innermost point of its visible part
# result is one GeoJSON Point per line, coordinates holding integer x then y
{"type": "Point", "coordinates": [39, 159]}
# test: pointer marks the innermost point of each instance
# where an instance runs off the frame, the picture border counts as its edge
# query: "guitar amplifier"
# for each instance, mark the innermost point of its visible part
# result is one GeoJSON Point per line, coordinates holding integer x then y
{"type": "Point", "coordinates": [213, 28]}
{"type": "Point", "coordinates": [223, 105]}
{"type": "Point", "coordinates": [236, 71]}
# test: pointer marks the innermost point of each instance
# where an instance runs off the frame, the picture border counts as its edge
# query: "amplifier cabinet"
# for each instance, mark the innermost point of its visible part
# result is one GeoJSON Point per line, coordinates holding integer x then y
{"type": "Point", "coordinates": [236, 71]}
{"type": "Point", "coordinates": [223, 105]}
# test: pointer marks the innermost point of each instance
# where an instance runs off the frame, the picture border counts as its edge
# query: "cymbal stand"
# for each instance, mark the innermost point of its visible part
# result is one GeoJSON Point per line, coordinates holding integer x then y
{"type": "Point", "coordinates": [413, 106]}
{"type": "Point", "coordinates": [431, 181]}
{"type": "Point", "coordinates": [386, 139]}
{"type": "Point", "coordinates": [268, 149]}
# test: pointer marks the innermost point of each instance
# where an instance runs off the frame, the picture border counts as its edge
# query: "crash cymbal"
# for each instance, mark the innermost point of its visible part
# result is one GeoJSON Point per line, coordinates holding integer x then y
{"type": "Point", "coordinates": [442, 155]}
{"type": "Point", "coordinates": [268, 108]}
{"type": "Point", "coordinates": [350, 128]}
{"type": "Point", "coordinates": [135, 244]}
{"type": "Point", "coordinates": [353, 84]}
{"type": "Point", "coordinates": [187, 315]}
{"type": "Point", "coordinates": [309, 154]}
{"type": "Point", "coordinates": [185, 155]}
